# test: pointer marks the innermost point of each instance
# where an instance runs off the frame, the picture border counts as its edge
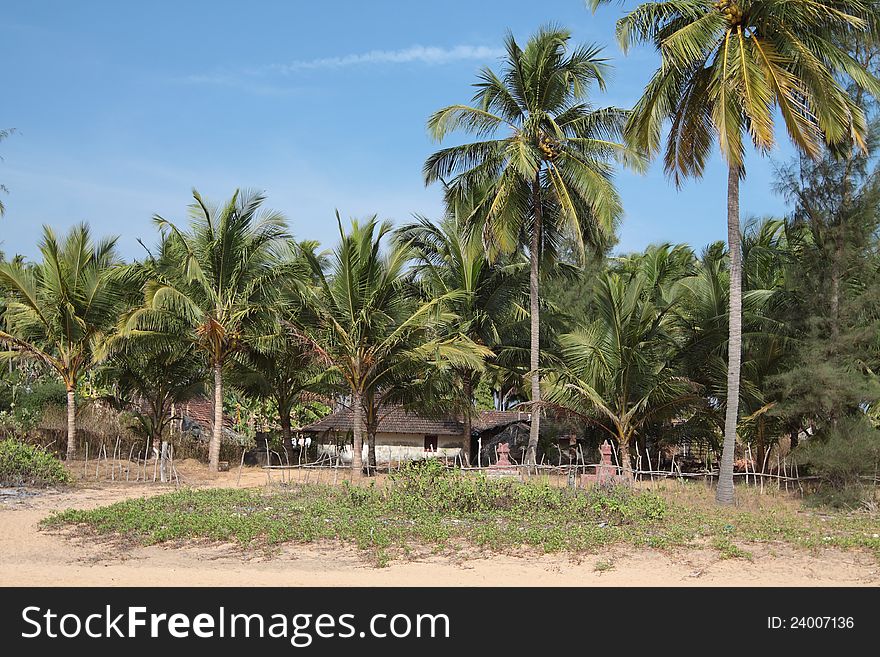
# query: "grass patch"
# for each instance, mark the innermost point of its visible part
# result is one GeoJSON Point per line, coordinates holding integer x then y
{"type": "Point", "coordinates": [603, 566]}
{"type": "Point", "coordinates": [727, 549]}
{"type": "Point", "coordinates": [22, 464]}
{"type": "Point", "coordinates": [430, 507]}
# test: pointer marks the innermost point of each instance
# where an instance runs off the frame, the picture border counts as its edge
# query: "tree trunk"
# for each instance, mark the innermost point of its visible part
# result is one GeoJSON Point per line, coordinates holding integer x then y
{"type": "Point", "coordinates": [71, 424]}
{"type": "Point", "coordinates": [534, 310]}
{"type": "Point", "coordinates": [371, 451]}
{"type": "Point", "coordinates": [724, 493]}
{"type": "Point", "coordinates": [217, 434]}
{"type": "Point", "coordinates": [286, 436]}
{"type": "Point", "coordinates": [836, 264]}
{"type": "Point", "coordinates": [623, 454]}
{"type": "Point", "coordinates": [761, 446]}
{"type": "Point", "coordinates": [794, 438]}
{"type": "Point", "coordinates": [157, 447]}
{"type": "Point", "coordinates": [163, 462]}
{"type": "Point", "coordinates": [357, 455]}
{"type": "Point", "coordinates": [467, 420]}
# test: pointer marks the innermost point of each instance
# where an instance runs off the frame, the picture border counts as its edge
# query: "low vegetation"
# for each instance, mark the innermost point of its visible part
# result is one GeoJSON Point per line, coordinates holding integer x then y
{"type": "Point", "coordinates": [427, 507]}
{"type": "Point", "coordinates": [846, 464]}
{"type": "Point", "coordinates": [22, 464]}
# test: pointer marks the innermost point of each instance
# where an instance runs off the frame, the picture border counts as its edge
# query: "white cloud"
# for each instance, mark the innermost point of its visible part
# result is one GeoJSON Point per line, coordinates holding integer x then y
{"type": "Point", "coordinates": [417, 54]}
{"type": "Point", "coordinates": [259, 79]}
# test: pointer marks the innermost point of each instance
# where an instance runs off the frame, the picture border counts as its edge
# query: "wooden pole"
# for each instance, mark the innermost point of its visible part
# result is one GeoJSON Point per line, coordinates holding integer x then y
{"type": "Point", "coordinates": [240, 466]}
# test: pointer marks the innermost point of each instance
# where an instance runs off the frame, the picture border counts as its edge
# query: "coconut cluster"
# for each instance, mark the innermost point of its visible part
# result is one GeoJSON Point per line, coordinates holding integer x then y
{"type": "Point", "coordinates": [730, 10]}
{"type": "Point", "coordinates": [549, 147]}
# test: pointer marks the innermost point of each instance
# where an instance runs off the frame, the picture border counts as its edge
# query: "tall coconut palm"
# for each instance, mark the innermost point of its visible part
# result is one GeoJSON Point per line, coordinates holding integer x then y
{"type": "Point", "coordinates": [546, 158]}
{"type": "Point", "coordinates": [618, 370]}
{"type": "Point", "coordinates": [59, 310]}
{"type": "Point", "coordinates": [149, 378]}
{"type": "Point", "coordinates": [370, 332]}
{"type": "Point", "coordinates": [210, 282]}
{"type": "Point", "coordinates": [448, 257]}
{"type": "Point", "coordinates": [726, 67]}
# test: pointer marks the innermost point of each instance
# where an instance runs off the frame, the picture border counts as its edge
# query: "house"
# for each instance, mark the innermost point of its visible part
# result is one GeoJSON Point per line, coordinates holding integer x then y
{"type": "Point", "coordinates": [403, 435]}
{"type": "Point", "coordinates": [196, 416]}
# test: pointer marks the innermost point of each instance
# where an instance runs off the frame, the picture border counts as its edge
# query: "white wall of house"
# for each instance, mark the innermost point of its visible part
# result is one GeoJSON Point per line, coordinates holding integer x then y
{"type": "Point", "coordinates": [402, 447]}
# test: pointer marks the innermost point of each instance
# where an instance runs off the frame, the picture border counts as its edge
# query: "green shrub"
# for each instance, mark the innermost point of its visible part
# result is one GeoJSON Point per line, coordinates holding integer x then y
{"type": "Point", "coordinates": [429, 487]}
{"type": "Point", "coordinates": [24, 410]}
{"type": "Point", "coordinates": [843, 460]}
{"type": "Point", "coordinates": [22, 464]}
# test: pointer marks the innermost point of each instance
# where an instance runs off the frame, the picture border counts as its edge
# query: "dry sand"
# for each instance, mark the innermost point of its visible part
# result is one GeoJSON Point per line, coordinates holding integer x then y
{"type": "Point", "coordinates": [30, 556]}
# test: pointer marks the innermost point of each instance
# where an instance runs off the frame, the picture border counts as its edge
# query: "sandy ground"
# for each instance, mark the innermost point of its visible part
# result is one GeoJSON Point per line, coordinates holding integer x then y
{"type": "Point", "coordinates": [30, 556]}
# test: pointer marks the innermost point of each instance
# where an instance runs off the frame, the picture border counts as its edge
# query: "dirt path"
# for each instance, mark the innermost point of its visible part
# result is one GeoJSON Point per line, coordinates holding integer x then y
{"type": "Point", "coordinates": [32, 557]}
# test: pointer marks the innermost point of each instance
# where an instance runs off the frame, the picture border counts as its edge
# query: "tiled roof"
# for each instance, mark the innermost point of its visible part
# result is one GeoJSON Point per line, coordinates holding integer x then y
{"type": "Point", "coordinates": [201, 411]}
{"type": "Point", "coordinates": [398, 420]}
{"type": "Point", "coordinates": [486, 420]}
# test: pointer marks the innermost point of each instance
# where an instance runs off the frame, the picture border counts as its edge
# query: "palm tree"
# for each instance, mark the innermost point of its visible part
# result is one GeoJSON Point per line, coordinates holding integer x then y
{"type": "Point", "coordinates": [546, 160]}
{"type": "Point", "coordinates": [448, 257]}
{"type": "Point", "coordinates": [211, 282]}
{"type": "Point", "coordinates": [702, 315]}
{"type": "Point", "coordinates": [368, 329]}
{"type": "Point", "coordinates": [275, 363]}
{"type": "Point", "coordinates": [725, 68]}
{"type": "Point", "coordinates": [150, 378]}
{"type": "Point", "coordinates": [618, 370]}
{"type": "Point", "coordinates": [59, 310]}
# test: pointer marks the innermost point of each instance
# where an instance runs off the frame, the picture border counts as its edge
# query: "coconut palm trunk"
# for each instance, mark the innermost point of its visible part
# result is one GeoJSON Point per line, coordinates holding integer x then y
{"type": "Point", "coordinates": [623, 439]}
{"type": "Point", "coordinates": [286, 433]}
{"type": "Point", "coordinates": [467, 418]}
{"type": "Point", "coordinates": [371, 451]}
{"type": "Point", "coordinates": [724, 494]}
{"type": "Point", "coordinates": [535, 321]}
{"type": "Point", "coordinates": [71, 424]}
{"type": "Point", "coordinates": [217, 435]}
{"type": "Point", "coordinates": [357, 455]}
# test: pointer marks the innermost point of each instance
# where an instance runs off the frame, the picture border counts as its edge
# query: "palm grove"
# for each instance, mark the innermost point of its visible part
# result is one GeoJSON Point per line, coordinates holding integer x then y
{"type": "Point", "coordinates": [513, 293]}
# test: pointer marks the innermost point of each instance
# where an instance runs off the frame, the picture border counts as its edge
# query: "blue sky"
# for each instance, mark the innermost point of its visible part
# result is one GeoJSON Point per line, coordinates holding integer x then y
{"type": "Point", "coordinates": [121, 108]}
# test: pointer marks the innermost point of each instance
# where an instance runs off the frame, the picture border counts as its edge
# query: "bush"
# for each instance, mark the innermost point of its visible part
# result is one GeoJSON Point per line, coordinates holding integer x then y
{"type": "Point", "coordinates": [31, 402]}
{"type": "Point", "coordinates": [843, 460]}
{"type": "Point", "coordinates": [22, 464]}
{"type": "Point", "coordinates": [429, 487]}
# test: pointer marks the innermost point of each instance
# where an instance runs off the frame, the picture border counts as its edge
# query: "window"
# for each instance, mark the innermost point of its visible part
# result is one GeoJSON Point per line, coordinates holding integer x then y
{"type": "Point", "coordinates": [431, 443]}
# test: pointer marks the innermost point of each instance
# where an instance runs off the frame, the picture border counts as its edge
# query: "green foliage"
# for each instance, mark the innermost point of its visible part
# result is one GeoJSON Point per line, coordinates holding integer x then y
{"type": "Point", "coordinates": [56, 311]}
{"type": "Point", "coordinates": [30, 402]}
{"type": "Point", "coordinates": [450, 257]}
{"type": "Point", "coordinates": [618, 371]}
{"type": "Point", "coordinates": [845, 459]}
{"type": "Point", "coordinates": [59, 311]}
{"type": "Point", "coordinates": [376, 339]}
{"type": "Point", "coordinates": [541, 142]}
{"type": "Point", "coordinates": [212, 285]}
{"type": "Point", "coordinates": [727, 67]}
{"type": "Point", "coordinates": [833, 281]}
{"type": "Point", "coordinates": [22, 464]}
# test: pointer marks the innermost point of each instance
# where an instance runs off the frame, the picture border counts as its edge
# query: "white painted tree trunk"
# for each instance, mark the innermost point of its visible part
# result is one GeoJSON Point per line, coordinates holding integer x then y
{"type": "Point", "coordinates": [357, 456]}
{"type": "Point", "coordinates": [217, 434]}
{"type": "Point", "coordinates": [71, 425]}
